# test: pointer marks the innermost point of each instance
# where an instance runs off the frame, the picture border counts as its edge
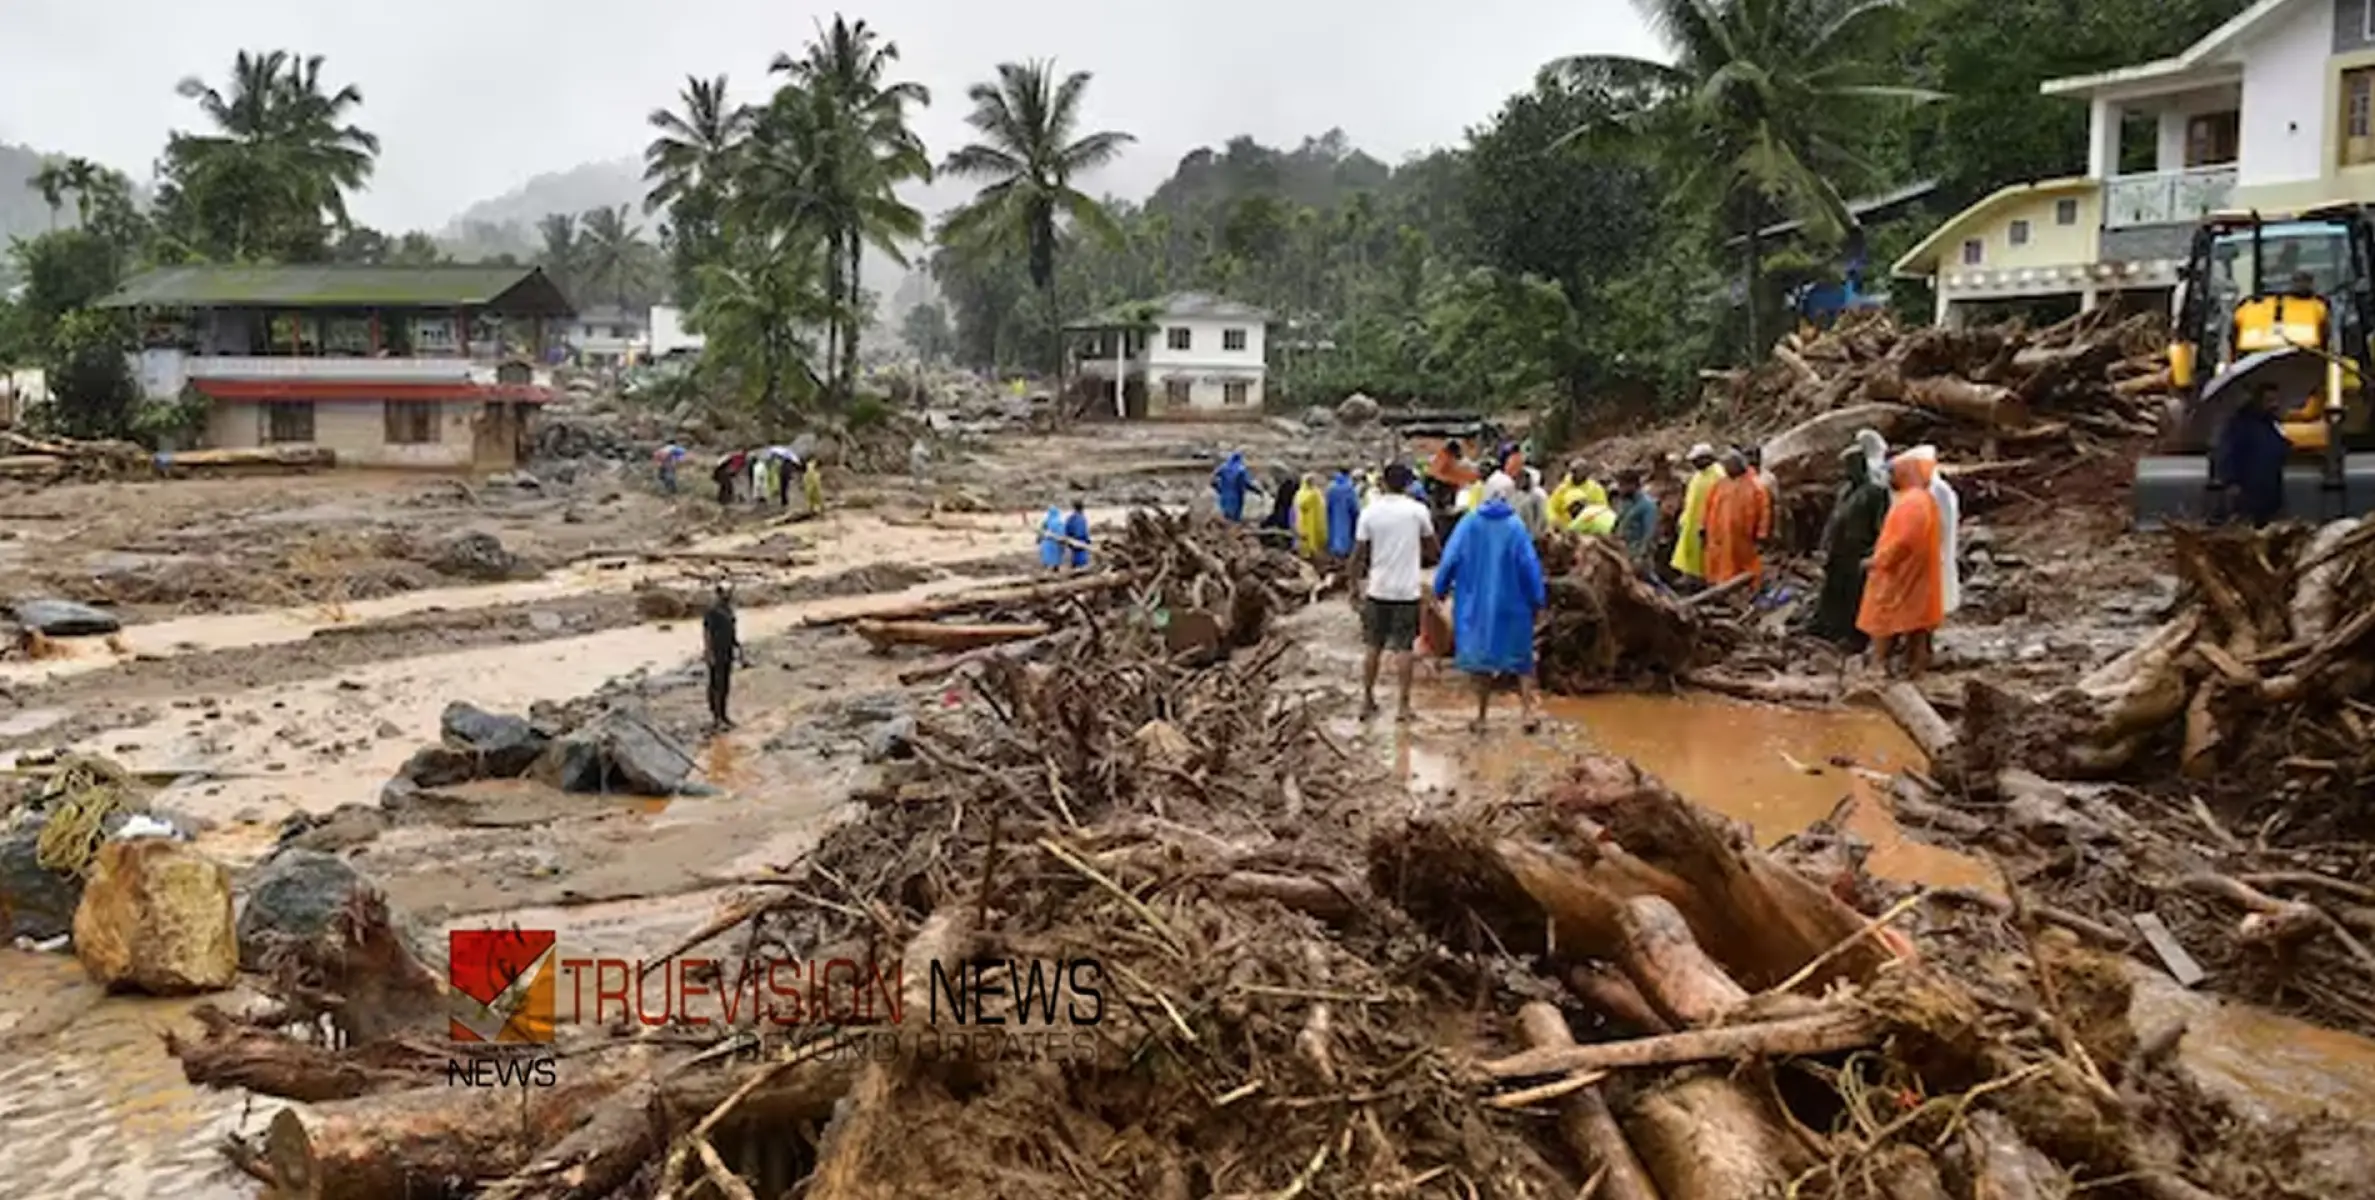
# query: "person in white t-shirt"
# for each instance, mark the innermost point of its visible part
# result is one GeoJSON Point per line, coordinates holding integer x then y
{"type": "Point", "coordinates": [1390, 541]}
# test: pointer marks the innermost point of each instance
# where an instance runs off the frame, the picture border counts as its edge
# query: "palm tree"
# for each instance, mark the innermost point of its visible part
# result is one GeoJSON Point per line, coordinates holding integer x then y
{"type": "Point", "coordinates": [695, 151]}
{"type": "Point", "coordinates": [280, 141]}
{"type": "Point", "coordinates": [752, 308]}
{"type": "Point", "coordinates": [859, 149]}
{"type": "Point", "coordinates": [612, 251]}
{"type": "Point", "coordinates": [1760, 105]}
{"type": "Point", "coordinates": [563, 251]}
{"type": "Point", "coordinates": [1030, 156]}
{"type": "Point", "coordinates": [50, 181]}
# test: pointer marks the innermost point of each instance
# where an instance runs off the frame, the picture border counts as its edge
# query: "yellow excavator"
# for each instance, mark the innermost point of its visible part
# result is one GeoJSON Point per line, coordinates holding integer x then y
{"type": "Point", "coordinates": [2281, 301]}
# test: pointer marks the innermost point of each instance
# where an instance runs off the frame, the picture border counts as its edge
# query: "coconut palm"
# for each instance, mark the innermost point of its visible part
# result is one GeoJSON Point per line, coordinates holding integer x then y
{"type": "Point", "coordinates": [563, 251]}
{"type": "Point", "coordinates": [612, 251]}
{"type": "Point", "coordinates": [1761, 103]}
{"type": "Point", "coordinates": [283, 153]}
{"type": "Point", "coordinates": [1030, 155]}
{"type": "Point", "coordinates": [855, 147]}
{"type": "Point", "coordinates": [50, 181]}
{"type": "Point", "coordinates": [753, 307]}
{"type": "Point", "coordinates": [695, 150]}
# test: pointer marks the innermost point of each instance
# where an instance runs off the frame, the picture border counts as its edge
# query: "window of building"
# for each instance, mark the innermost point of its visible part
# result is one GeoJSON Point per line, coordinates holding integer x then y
{"type": "Point", "coordinates": [2019, 233]}
{"type": "Point", "coordinates": [1973, 250]}
{"type": "Point", "coordinates": [409, 423]}
{"type": "Point", "coordinates": [2065, 212]}
{"type": "Point", "coordinates": [1177, 391]}
{"type": "Point", "coordinates": [1234, 392]}
{"type": "Point", "coordinates": [2211, 138]}
{"type": "Point", "coordinates": [618, 331]}
{"type": "Point", "coordinates": [288, 421]}
{"type": "Point", "coordinates": [434, 335]}
{"type": "Point", "coordinates": [1232, 339]}
{"type": "Point", "coordinates": [1179, 337]}
{"type": "Point", "coordinates": [2358, 116]}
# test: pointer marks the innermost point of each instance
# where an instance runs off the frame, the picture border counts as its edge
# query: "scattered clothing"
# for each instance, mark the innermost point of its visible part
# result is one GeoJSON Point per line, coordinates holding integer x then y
{"type": "Point", "coordinates": [1902, 592]}
{"type": "Point", "coordinates": [1076, 527]}
{"type": "Point", "coordinates": [1690, 546]}
{"type": "Point", "coordinates": [1739, 515]}
{"type": "Point", "coordinates": [1311, 518]}
{"type": "Point", "coordinates": [1344, 511]}
{"type": "Point", "coordinates": [2251, 455]}
{"type": "Point", "coordinates": [1848, 538]}
{"type": "Point", "coordinates": [1229, 485]}
{"type": "Point", "coordinates": [1051, 529]}
{"type": "Point", "coordinates": [1495, 580]}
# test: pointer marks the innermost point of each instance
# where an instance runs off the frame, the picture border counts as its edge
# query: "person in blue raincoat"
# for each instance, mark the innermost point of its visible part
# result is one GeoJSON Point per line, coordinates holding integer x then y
{"type": "Point", "coordinates": [1076, 527]}
{"type": "Point", "coordinates": [1051, 549]}
{"type": "Point", "coordinates": [1229, 485]}
{"type": "Point", "coordinates": [1494, 579]}
{"type": "Point", "coordinates": [1344, 512]}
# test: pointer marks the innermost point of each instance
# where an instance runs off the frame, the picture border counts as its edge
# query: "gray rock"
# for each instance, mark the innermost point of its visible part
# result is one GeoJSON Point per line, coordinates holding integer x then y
{"type": "Point", "coordinates": [342, 828]}
{"type": "Point", "coordinates": [618, 751]}
{"type": "Point", "coordinates": [1356, 409]}
{"type": "Point", "coordinates": [296, 895]}
{"type": "Point", "coordinates": [34, 903]}
{"type": "Point", "coordinates": [893, 739]}
{"type": "Point", "coordinates": [64, 618]}
{"type": "Point", "coordinates": [502, 745]}
{"type": "Point", "coordinates": [544, 621]}
{"type": "Point", "coordinates": [474, 556]}
{"type": "Point", "coordinates": [438, 766]}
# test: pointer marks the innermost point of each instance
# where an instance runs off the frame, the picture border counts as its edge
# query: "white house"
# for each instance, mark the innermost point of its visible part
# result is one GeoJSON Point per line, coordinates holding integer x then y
{"type": "Point", "coordinates": [609, 336]}
{"type": "Point", "coordinates": [2274, 110]}
{"type": "Point", "coordinates": [668, 332]}
{"type": "Point", "coordinates": [1187, 353]}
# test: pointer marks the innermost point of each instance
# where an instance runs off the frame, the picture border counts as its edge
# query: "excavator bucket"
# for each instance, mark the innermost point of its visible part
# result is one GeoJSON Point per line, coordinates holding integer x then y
{"type": "Point", "coordinates": [2177, 489]}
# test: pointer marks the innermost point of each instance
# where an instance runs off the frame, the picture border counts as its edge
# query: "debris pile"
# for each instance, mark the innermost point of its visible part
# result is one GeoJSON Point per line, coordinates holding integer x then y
{"type": "Point", "coordinates": [1606, 626]}
{"type": "Point", "coordinates": [68, 460]}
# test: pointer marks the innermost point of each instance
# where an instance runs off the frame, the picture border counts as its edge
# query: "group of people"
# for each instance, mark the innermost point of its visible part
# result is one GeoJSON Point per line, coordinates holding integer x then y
{"type": "Point", "coordinates": [1064, 537]}
{"type": "Point", "coordinates": [759, 474]}
{"type": "Point", "coordinates": [1891, 575]}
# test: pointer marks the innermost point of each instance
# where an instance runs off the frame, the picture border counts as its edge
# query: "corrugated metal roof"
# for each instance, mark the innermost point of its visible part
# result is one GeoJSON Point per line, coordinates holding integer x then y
{"type": "Point", "coordinates": [523, 289]}
{"type": "Point", "coordinates": [1182, 305]}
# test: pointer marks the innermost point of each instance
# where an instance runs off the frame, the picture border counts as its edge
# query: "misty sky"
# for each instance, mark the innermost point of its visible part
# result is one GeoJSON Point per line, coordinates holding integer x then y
{"type": "Point", "coordinates": [471, 97]}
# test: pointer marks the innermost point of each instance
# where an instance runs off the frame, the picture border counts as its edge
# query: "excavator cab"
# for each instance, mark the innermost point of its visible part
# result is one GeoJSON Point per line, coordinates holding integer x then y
{"type": "Point", "coordinates": [2272, 301]}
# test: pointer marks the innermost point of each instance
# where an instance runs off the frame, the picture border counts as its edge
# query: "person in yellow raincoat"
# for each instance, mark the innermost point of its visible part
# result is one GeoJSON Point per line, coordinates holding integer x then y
{"type": "Point", "coordinates": [1598, 520]}
{"type": "Point", "coordinates": [1311, 518]}
{"type": "Point", "coordinates": [1690, 534]}
{"type": "Point", "coordinates": [812, 486]}
{"type": "Point", "coordinates": [1575, 493]}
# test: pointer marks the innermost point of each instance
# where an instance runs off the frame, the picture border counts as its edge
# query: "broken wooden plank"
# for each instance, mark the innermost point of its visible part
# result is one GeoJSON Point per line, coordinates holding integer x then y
{"type": "Point", "coordinates": [2181, 965]}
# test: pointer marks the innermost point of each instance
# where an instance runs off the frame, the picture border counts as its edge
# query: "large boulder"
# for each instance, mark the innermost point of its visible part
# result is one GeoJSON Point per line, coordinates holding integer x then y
{"type": "Point", "coordinates": [64, 618]}
{"type": "Point", "coordinates": [34, 902]}
{"type": "Point", "coordinates": [1356, 410]}
{"type": "Point", "coordinates": [295, 896]}
{"type": "Point", "coordinates": [618, 751]}
{"type": "Point", "coordinates": [501, 744]}
{"type": "Point", "coordinates": [156, 917]}
{"type": "Point", "coordinates": [480, 556]}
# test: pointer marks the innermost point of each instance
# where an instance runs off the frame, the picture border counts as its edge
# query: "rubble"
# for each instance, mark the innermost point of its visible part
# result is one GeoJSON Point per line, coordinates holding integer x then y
{"type": "Point", "coordinates": [295, 896]}
{"type": "Point", "coordinates": [618, 751]}
{"type": "Point", "coordinates": [155, 917]}
{"type": "Point", "coordinates": [474, 555]}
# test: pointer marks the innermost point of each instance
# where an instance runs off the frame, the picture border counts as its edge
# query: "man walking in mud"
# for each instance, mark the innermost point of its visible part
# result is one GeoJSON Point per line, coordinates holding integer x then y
{"type": "Point", "coordinates": [721, 650]}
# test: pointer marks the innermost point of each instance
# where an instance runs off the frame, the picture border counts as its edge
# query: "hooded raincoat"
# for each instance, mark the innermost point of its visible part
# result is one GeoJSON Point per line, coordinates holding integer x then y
{"type": "Point", "coordinates": [1739, 514]}
{"type": "Point", "coordinates": [1847, 540]}
{"type": "Point", "coordinates": [1229, 485]}
{"type": "Point", "coordinates": [1950, 513]}
{"type": "Point", "coordinates": [1344, 512]}
{"type": "Point", "coordinates": [1690, 551]}
{"type": "Point", "coordinates": [1901, 592]}
{"type": "Point", "coordinates": [1076, 527]}
{"type": "Point", "coordinates": [1051, 527]}
{"type": "Point", "coordinates": [1495, 581]}
{"type": "Point", "coordinates": [1311, 518]}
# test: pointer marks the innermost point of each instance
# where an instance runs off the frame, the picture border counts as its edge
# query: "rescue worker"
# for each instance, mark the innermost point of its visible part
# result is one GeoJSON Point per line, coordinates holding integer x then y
{"type": "Point", "coordinates": [1847, 540]}
{"type": "Point", "coordinates": [2251, 454]}
{"type": "Point", "coordinates": [1950, 512]}
{"type": "Point", "coordinates": [1344, 512]}
{"type": "Point", "coordinates": [1051, 539]}
{"type": "Point", "coordinates": [1282, 501]}
{"type": "Point", "coordinates": [1229, 485]}
{"type": "Point", "coordinates": [1738, 516]}
{"type": "Point", "coordinates": [1637, 522]}
{"type": "Point", "coordinates": [1076, 528]}
{"type": "Point", "coordinates": [812, 487]}
{"type": "Point", "coordinates": [729, 469]}
{"type": "Point", "coordinates": [1903, 600]}
{"type": "Point", "coordinates": [1690, 532]}
{"type": "Point", "coordinates": [720, 651]}
{"type": "Point", "coordinates": [1533, 508]}
{"type": "Point", "coordinates": [1447, 475]}
{"type": "Point", "coordinates": [1494, 579]}
{"type": "Point", "coordinates": [1596, 520]}
{"type": "Point", "coordinates": [1311, 518]}
{"type": "Point", "coordinates": [1772, 488]}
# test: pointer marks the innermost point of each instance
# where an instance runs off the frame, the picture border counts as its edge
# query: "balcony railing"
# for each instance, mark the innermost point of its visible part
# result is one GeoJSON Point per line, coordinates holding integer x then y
{"type": "Point", "coordinates": [2166, 197]}
{"type": "Point", "coordinates": [357, 370]}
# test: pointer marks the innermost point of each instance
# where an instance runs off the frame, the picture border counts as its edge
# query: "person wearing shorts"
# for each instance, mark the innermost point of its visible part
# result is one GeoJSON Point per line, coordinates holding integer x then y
{"type": "Point", "coordinates": [1390, 541]}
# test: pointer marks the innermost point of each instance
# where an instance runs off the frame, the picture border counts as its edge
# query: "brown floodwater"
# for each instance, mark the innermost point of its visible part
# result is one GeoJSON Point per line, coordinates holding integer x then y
{"type": "Point", "coordinates": [1775, 768]}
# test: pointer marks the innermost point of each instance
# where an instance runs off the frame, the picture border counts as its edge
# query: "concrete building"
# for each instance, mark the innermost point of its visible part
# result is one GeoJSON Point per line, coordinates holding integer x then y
{"type": "Point", "coordinates": [385, 366]}
{"type": "Point", "coordinates": [2274, 110]}
{"type": "Point", "coordinates": [669, 335]}
{"type": "Point", "coordinates": [606, 337]}
{"type": "Point", "coordinates": [1187, 354]}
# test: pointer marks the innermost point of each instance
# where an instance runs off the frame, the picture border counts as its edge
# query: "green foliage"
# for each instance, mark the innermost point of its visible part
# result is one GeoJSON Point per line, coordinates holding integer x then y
{"type": "Point", "coordinates": [64, 271]}
{"type": "Point", "coordinates": [269, 180]}
{"type": "Point", "coordinates": [752, 313]}
{"type": "Point", "coordinates": [92, 391]}
{"type": "Point", "coordinates": [926, 332]}
{"type": "Point", "coordinates": [866, 412]}
{"type": "Point", "coordinates": [180, 421]}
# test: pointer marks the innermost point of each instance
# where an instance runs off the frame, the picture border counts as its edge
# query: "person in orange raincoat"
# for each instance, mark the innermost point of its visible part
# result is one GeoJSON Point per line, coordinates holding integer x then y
{"type": "Point", "coordinates": [1739, 515]}
{"type": "Point", "coordinates": [1904, 594]}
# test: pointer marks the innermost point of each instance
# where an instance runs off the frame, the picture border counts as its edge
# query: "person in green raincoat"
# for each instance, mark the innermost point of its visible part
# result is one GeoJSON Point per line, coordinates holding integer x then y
{"type": "Point", "coordinates": [1847, 540]}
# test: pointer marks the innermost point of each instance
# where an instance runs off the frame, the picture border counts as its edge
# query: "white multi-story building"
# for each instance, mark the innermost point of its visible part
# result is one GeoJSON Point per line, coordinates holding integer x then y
{"type": "Point", "coordinates": [1187, 353]}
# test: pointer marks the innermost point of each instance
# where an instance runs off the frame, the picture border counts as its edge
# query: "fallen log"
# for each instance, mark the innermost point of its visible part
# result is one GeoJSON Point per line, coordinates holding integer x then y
{"type": "Point", "coordinates": [234, 1054]}
{"type": "Point", "coordinates": [1824, 1032]}
{"type": "Point", "coordinates": [1914, 714]}
{"type": "Point", "coordinates": [1666, 963]}
{"type": "Point", "coordinates": [882, 635]}
{"type": "Point", "coordinates": [1589, 1129]}
{"type": "Point", "coordinates": [1709, 1136]}
{"type": "Point", "coordinates": [957, 662]}
{"type": "Point", "coordinates": [1979, 403]}
{"type": "Point", "coordinates": [1020, 596]}
{"type": "Point", "coordinates": [1811, 447]}
{"type": "Point", "coordinates": [1607, 991]}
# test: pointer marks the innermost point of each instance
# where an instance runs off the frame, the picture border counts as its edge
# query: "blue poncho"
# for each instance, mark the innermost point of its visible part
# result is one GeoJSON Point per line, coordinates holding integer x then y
{"type": "Point", "coordinates": [1077, 528]}
{"type": "Point", "coordinates": [1051, 551]}
{"type": "Point", "coordinates": [1229, 485]}
{"type": "Point", "coordinates": [1495, 581]}
{"type": "Point", "coordinates": [1344, 512]}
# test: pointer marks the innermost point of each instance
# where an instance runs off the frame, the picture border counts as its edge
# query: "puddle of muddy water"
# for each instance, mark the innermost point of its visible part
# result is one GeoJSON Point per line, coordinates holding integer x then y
{"type": "Point", "coordinates": [1766, 765]}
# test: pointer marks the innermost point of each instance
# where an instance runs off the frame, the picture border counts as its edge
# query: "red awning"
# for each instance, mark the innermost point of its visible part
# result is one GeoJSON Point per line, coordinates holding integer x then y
{"type": "Point", "coordinates": [343, 389]}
